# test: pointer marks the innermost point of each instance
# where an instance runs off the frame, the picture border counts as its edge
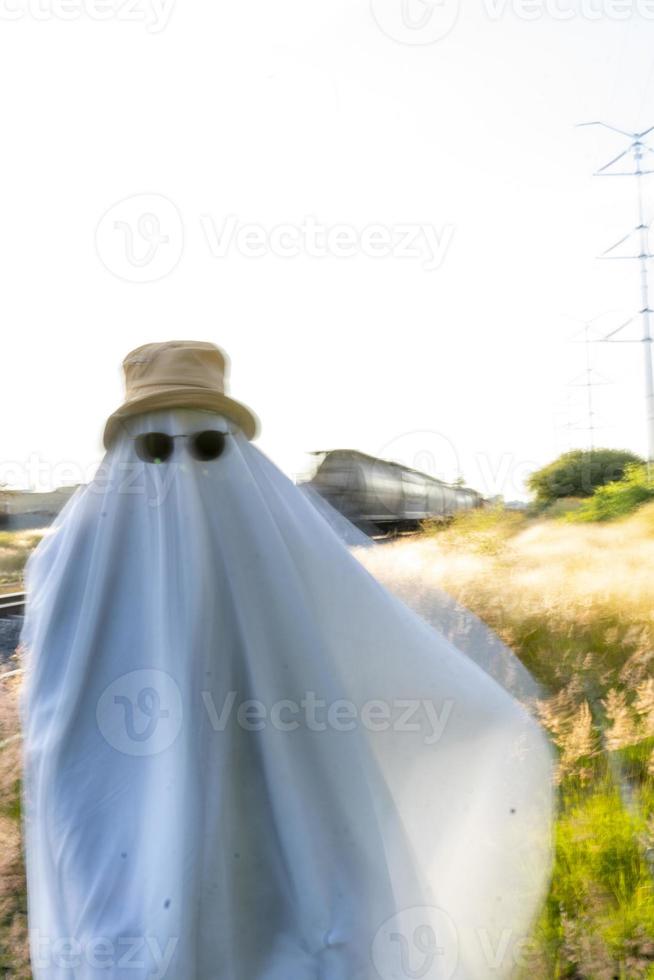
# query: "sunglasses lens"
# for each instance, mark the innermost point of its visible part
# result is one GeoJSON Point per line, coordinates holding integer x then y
{"type": "Point", "coordinates": [154, 447]}
{"type": "Point", "coordinates": [207, 445]}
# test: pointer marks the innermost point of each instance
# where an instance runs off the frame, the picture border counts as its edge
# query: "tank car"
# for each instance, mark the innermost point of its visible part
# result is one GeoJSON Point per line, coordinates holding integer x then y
{"type": "Point", "coordinates": [383, 494]}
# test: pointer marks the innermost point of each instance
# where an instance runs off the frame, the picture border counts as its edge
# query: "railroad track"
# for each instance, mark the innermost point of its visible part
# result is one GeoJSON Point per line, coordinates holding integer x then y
{"type": "Point", "coordinates": [12, 604]}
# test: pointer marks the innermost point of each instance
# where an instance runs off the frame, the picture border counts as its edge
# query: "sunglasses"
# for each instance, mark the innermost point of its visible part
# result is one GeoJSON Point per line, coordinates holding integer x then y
{"type": "Point", "coordinates": [158, 447]}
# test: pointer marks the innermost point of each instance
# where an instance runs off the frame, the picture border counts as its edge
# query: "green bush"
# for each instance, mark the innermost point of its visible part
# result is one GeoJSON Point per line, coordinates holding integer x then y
{"type": "Point", "coordinates": [579, 473]}
{"type": "Point", "coordinates": [619, 498]}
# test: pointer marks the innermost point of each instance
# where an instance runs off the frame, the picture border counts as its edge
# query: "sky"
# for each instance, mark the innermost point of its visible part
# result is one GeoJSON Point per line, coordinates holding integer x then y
{"type": "Point", "coordinates": [380, 209]}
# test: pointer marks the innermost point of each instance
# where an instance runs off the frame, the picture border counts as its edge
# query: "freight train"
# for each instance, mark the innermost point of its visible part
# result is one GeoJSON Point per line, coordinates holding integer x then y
{"type": "Point", "coordinates": [379, 494]}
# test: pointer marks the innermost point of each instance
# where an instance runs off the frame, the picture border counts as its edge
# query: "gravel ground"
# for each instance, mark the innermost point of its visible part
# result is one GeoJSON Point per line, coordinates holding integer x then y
{"type": "Point", "coordinates": [9, 632]}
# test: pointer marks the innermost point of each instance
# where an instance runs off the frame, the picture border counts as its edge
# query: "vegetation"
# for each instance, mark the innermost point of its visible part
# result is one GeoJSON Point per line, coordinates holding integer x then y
{"type": "Point", "coordinates": [578, 473]}
{"type": "Point", "coordinates": [576, 602]}
{"type": "Point", "coordinates": [14, 957]}
{"type": "Point", "coordinates": [619, 498]}
{"type": "Point", "coordinates": [15, 548]}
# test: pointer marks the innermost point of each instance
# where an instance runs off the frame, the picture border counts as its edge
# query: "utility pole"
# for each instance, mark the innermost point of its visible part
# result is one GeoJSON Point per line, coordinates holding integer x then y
{"type": "Point", "coordinates": [636, 151]}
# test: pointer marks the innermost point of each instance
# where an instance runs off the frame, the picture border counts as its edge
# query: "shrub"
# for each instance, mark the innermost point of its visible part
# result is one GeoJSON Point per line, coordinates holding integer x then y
{"type": "Point", "coordinates": [579, 473]}
{"type": "Point", "coordinates": [619, 498]}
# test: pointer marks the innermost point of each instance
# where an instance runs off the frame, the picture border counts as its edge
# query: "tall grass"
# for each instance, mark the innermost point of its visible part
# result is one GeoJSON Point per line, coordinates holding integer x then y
{"type": "Point", "coordinates": [15, 548]}
{"type": "Point", "coordinates": [576, 602]}
{"type": "Point", "coordinates": [14, 959]}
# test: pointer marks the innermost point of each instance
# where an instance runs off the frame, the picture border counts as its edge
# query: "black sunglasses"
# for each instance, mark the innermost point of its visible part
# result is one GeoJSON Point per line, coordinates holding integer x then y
{"type": "Point", "coordinates": [157, 447]}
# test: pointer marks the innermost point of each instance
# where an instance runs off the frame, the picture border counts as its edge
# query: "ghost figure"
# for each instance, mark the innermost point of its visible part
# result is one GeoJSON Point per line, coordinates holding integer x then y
{"type": "Point", "coordinates": [245, 758]}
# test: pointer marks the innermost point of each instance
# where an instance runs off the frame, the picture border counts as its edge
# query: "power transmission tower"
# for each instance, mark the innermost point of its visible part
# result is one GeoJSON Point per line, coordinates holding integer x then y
{"type": "Point", "coordinates": [589, 379]}
{"type": "Point", "coordinates": [569, 425]}
{"type": "Point", "coordinates": [636, 151]}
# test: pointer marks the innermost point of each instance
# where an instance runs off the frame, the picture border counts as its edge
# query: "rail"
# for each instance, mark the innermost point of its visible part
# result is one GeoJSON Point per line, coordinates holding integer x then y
{"type": "Point", "coordinates": [12, 604]}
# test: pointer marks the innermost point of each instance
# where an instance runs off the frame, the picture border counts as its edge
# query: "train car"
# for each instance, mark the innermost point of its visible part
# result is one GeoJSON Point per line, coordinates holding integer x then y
{"type": "Point", "coordinates": [386, 495]}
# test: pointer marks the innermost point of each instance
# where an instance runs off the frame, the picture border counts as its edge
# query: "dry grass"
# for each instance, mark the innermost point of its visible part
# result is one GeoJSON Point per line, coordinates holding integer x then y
{"type": "Point", "coordinates": [576, 602]}
{"type": "Point", "coordinates": [14, 960]}
{"type": "Point", "coordinates": [15, 549]}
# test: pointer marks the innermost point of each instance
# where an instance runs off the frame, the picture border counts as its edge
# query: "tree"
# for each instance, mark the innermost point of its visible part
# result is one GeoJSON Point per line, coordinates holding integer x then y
{"type": "Point", "coordinates": [579, 472]}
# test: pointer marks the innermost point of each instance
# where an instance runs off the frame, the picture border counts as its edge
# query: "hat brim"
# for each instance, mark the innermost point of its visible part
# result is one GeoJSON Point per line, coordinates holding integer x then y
{"type": "Point", "coordinates": [183, 397]}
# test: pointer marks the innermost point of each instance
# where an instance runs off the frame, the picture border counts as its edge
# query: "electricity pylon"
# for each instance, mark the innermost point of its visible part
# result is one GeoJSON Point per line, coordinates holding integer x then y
{"type": "Point", "coordinates": [589, 379]}
{"type": "Point", "coordinates": [636, 151]}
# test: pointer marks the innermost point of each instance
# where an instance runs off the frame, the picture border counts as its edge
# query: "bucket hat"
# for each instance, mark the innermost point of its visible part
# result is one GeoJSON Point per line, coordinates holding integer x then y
{"type": "Point", "coordinates": [178, 374]}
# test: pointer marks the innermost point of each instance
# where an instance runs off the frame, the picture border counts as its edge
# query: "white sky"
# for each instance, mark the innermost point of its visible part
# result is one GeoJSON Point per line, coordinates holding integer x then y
{"type": "Point", "coordinates": [275, 111]}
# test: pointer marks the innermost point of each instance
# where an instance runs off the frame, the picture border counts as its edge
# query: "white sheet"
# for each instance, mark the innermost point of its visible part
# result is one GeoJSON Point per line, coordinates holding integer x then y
{"type": "Point", "coordinates": [246, 759]}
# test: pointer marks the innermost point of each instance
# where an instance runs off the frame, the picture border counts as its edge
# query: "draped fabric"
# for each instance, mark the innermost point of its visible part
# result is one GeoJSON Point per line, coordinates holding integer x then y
{"type": "Point", "coordinates": [246, 758]}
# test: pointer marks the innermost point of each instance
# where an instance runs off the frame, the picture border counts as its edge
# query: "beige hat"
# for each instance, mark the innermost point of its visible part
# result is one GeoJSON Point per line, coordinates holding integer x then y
{"type": "Point", "coordinates": [177, 374]}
